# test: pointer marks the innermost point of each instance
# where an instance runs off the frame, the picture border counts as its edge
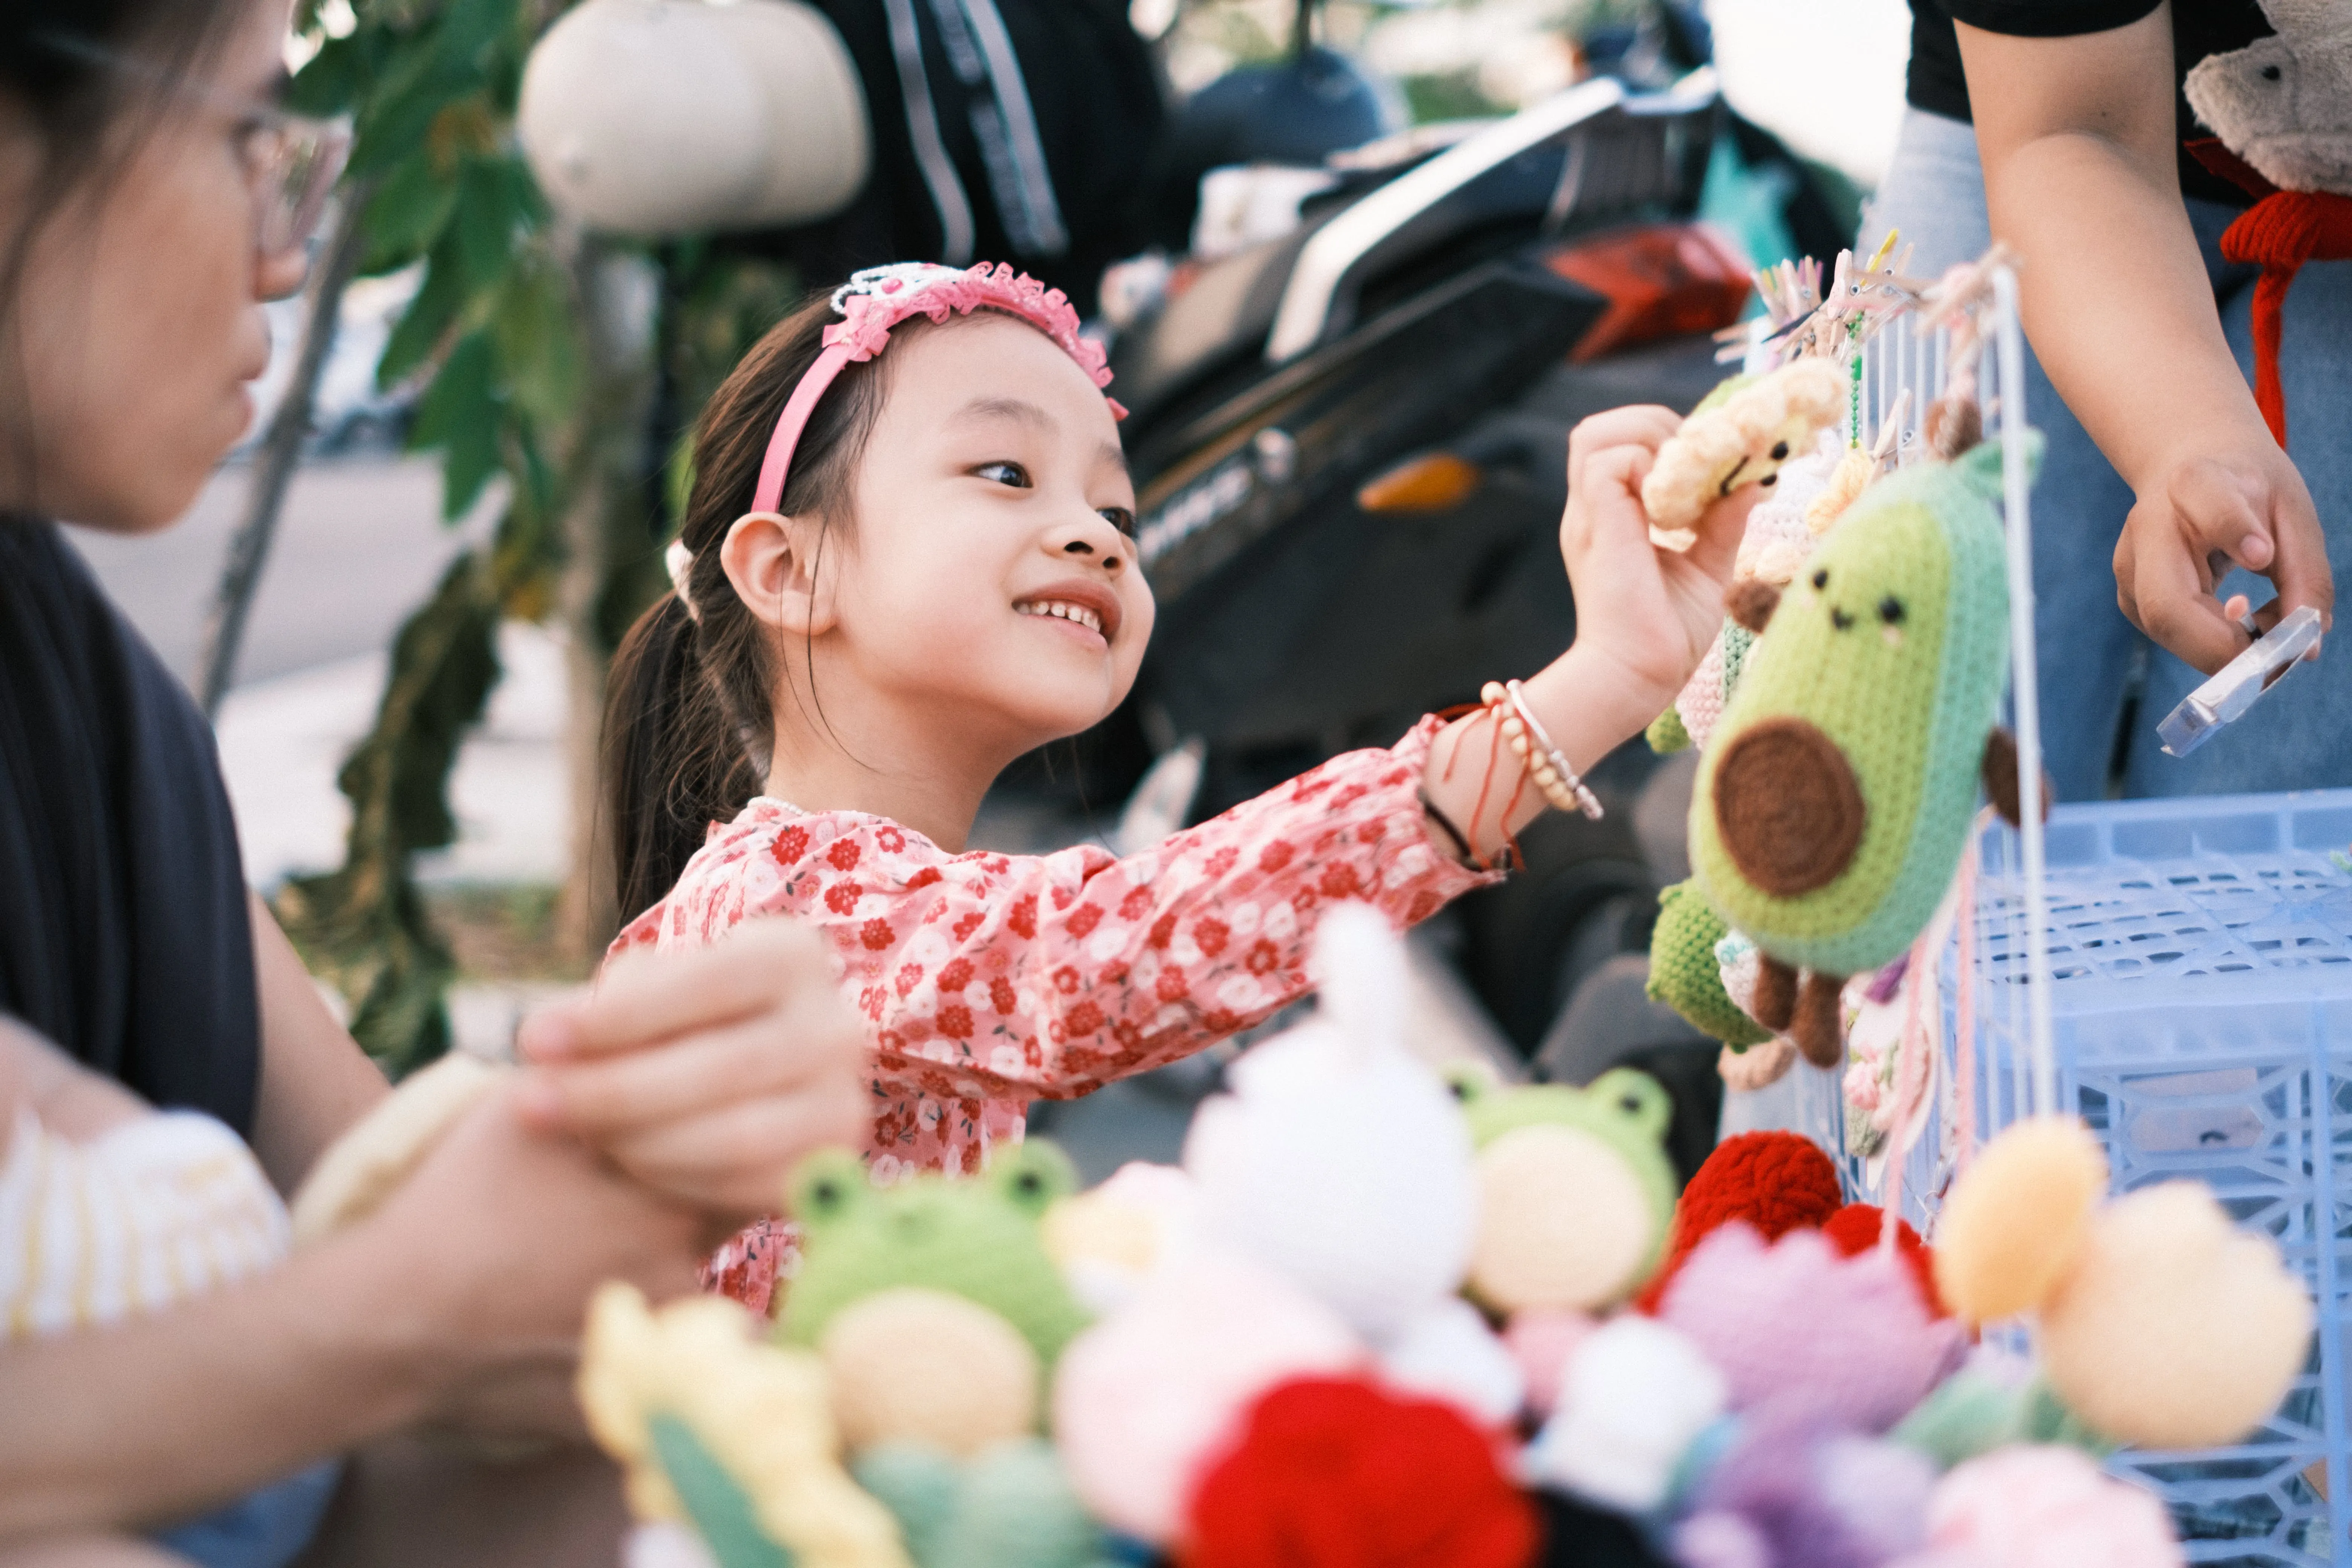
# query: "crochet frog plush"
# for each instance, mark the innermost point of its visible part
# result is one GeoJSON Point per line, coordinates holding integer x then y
{"type": "Point", "coordinates": [1576, 1193]}
{"type": "Point", "coordinates": [1831, 810]}
{"type": "Point", "coordinates": [934, 1304]}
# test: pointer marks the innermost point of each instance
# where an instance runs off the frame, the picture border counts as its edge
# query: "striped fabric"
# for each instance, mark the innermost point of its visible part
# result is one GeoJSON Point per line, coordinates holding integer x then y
{"type": "Point", "coordinates": [152, 1212]}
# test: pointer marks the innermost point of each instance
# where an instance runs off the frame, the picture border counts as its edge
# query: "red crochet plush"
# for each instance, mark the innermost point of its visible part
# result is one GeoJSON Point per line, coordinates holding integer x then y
{"type": "Point", "coordinates": [1335, 1473]}
{"type": "Point", "coordinates": [1776, 1180]}
{"type": "Point", "coordinates": [1855, 1229]}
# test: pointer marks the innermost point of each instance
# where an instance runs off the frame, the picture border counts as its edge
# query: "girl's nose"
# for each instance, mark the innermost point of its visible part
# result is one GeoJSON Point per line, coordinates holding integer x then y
{"type": "Point", "coordinates": [1100, 542]}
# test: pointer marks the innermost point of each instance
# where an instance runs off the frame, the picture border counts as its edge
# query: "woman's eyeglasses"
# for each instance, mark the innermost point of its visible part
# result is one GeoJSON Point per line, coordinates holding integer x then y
{"type": "Point", "coordinates": [291, 164]}
{"type": "Point", "coordinates": [291, 161]}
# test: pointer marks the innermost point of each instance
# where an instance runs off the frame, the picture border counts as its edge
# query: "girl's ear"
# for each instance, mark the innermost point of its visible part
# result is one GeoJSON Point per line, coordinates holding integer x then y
{"type": "Point", "coordinates": [773, 560]}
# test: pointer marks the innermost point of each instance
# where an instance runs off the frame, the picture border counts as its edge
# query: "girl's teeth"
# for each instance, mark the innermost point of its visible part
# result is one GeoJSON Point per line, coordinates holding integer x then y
{"type": "Point", "coordinates": [1076, 613]}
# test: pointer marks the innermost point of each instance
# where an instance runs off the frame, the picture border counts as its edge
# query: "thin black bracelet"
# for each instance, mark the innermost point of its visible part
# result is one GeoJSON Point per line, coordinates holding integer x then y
{"type": "Point", "coordinates": [1461, 844]}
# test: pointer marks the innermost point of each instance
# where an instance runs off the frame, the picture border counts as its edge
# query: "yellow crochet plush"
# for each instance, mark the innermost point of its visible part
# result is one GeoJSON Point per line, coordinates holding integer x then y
{"type": "Point", "coordinates": [1739, 436]}
{"type": "Point", "coordinates": [750, 1420]}
{"type": "Point", "coordinates": [2016, 1220]}
{"type": "Point", "coordinates": [2174, 1330]}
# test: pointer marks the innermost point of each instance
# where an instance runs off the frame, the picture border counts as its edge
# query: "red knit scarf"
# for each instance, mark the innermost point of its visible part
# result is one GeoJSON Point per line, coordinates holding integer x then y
{"type": "Point", "coordinates": [2279, 233]}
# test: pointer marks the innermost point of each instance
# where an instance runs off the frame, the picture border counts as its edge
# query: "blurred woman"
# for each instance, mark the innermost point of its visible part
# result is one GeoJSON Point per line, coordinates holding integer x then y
{"type": "Point", "coordinates": [152, 197]}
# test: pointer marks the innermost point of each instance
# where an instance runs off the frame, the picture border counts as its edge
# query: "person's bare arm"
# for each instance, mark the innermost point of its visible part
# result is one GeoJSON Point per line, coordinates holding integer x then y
{"type": "Point", "coordinates": [2077, 139]}
{"type": "Point", "coordinates": [473, 1275]}
{"type": "Point", "coordinates": [315, 1079]}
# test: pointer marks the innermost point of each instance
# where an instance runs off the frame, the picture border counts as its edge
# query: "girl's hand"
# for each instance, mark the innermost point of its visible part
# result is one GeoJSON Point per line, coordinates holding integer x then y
{"type": "Point", "coordinates": [2246, 507]}
{"type": "Point", "coordinates": [706, 1074]}
{"type": "Point", "coordinates": [1650, 615]}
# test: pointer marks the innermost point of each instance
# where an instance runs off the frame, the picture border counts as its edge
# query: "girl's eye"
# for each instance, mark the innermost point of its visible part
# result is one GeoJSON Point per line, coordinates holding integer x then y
{"type": "Point", "coordinates": [1011, 474]}
{"type": "Point", "coordinates": [1120, 517]}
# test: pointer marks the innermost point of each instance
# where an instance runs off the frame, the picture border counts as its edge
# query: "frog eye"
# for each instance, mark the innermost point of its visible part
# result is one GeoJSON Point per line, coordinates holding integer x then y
{"type": "Point", "coordinates": [828, 1187]}
{"type": "Point", "coordinates": [1779, 451]}
{"type": "Point", "coordinates": [1631, 1104]}
{"type": "Point", "coordinates": [1821, 577]}
{"type": "Point", "coordinates": [1890, 610]}
{"type": "Point", "coordinates": [1033, 1176]}
{"type": "Point", "coordinates": [1028, 1183]}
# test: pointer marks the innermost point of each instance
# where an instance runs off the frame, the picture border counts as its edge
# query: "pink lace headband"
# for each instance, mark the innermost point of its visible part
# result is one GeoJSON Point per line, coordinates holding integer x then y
{"type": "Point", "coordinates": [878, 298]}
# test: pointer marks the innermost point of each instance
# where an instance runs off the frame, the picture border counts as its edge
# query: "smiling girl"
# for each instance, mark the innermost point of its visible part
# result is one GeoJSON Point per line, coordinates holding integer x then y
{"type": "Point", "coordinates": [901, 570]}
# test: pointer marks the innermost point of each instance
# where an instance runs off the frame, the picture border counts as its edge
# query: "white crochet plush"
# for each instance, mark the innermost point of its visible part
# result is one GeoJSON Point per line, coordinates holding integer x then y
{"type": "Point", "coordinates": [1341, 1160]}
{"type": "Point", "coordinates": [1743, 440]}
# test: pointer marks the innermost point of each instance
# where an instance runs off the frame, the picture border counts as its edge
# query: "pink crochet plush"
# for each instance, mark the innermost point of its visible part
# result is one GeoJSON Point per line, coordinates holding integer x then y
{"type": "Point", "coordinates": [1852, 1334]}
{"type": "Point", "coordinates": [2042, 1507]}
{"type": "Point", "coordinates": [1142, 1399]}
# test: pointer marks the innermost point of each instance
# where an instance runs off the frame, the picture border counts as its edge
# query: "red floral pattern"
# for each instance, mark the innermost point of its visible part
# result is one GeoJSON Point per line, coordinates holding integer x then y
{"type": "Point", "coordinates": [1091, 967]}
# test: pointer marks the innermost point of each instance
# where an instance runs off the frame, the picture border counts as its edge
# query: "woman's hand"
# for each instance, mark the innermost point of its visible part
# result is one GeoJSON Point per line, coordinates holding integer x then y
{"type": "Point", "coordinates": [487, 1255]}
{"type": "Point", "coordinates": [2243, 505]}
{"type": "Point", "coordinates": [1644, 617]}
{"type": "Point", "coordinates": [706, 1074]}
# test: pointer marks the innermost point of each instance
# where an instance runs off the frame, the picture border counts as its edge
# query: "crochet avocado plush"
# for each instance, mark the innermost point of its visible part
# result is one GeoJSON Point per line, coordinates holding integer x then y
{"type": "Point", "coordinates": [1834, 800]}
{"type": "Point", "coordinates": [1685, 974]}
{"type": "Point", "coordinates": [1576, 1193]}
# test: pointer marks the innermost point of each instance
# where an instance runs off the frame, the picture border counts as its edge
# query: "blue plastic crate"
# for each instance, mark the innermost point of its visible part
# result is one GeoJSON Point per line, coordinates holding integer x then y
{"type": "Point", "coordinates": [2201, 953]}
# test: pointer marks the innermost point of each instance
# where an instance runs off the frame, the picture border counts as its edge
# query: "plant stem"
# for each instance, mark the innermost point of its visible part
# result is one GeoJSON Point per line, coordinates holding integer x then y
{"type": "Point", "coordinates": [281, 449]}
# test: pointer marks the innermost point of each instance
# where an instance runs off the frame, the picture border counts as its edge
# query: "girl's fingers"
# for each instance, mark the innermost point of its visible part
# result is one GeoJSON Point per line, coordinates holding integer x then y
{"type": "Point", "coordinates": [602, 1098]}
{"type": "Point", "coordinates": [739, 1158]}
{"type": "Point", "coordinates": [1720, 529]}
{"type": "Point", "coordinates": [1646, 425]}
{"type": "Point", "coordinates": [644, 998]}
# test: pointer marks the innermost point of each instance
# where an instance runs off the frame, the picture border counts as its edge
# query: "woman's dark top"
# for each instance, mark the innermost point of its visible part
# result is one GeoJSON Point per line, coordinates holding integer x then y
{"type": "Point", "coordinates": [2200, 27]}
{"type": "Point", "coordinates": [125, 936]}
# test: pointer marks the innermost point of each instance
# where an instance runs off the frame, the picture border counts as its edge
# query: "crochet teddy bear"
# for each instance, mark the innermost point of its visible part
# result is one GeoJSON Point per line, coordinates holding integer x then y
{"type": "Point", "coordinates": [1739, 435]}
{"type": "Point", "coordinates": [1575, 1190]}
{"type": "Point", "coordinates": [723, 1434]}
{"type": "Point", "coordinates": [933, 1303]}
{"type": "Point", "coordinates": [2281, 109]}
{"type": "Point", "coordinates": [1828, 816]}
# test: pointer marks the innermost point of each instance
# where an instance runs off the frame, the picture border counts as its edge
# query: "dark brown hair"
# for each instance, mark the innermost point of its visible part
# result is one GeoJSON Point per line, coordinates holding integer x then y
{"type": "Point", "coordinates": [687, 718]}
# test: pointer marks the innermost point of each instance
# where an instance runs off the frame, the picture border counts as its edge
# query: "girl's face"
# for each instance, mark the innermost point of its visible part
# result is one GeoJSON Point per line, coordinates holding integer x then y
{"type": "Point", "coordinates": [993, 584]}
{"type": "Point", "coordinates": [138, 321]}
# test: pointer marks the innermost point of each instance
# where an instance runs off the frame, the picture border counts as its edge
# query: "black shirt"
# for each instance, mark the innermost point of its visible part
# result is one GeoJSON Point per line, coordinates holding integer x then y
{"type": "Point", "coordinates": [2200, 27]}
{"type": "Point", "coordinates": [125, 936]}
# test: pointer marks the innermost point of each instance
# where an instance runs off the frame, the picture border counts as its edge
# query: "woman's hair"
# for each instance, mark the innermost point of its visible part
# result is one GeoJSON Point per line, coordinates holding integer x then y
{"type": "Point", "coordinates": [688, 724]}
{"type": "Point", "coordinates": [58, 75]}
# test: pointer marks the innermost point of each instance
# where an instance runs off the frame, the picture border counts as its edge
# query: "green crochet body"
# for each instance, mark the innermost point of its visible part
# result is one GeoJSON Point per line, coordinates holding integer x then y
{"type": "Point", "coordinates": [976, 1237]}
{"type": "Point", "coordinates": [1910, 712]}
{"type": "Point", "coordinates": [1684, 973]}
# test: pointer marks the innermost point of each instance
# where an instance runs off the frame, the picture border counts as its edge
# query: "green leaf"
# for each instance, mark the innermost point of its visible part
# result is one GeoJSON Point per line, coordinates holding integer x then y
{"type": "Point", "coordinates": [407, 215]}
{"type": "Point", "coordinates": [722, 1513]}
{"type": "Point", "coordinates": [461, 414]}
{"type": "Point", "coordinates": [467, 29]}
{"type": "Point", "coordinates": [394, 119]}
{"type": "Point", "coordinates": [538, 345]}
{"type": "Point", "coordinates": [426, 320]}
{"type": "Point", "coordinates": [485, 223]}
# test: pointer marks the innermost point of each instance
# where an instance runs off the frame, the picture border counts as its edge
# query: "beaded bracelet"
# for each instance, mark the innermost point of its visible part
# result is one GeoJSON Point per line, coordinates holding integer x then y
{"type": "Point", "coordinates": [1545, 766]}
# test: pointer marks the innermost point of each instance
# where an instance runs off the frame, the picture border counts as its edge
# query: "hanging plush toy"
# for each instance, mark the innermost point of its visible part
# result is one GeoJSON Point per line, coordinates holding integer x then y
{"type": "Point", "coordinates": [2282, 108]}
{"type": "Point", "coordinates": [932, 1302]}
{"type": "Point", "coordinates": [1739, 435]}
{"type": "Point", "coordinates": [1009, 1506]}
{"type": "Point", "coordinates": [1831, 809]}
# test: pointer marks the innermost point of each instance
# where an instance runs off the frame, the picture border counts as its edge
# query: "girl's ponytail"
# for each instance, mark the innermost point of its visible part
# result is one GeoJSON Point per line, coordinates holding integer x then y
{"type": "Point", "coordinates": [673, 761]}
{"type": "Point", "coordinates": [689, 710]}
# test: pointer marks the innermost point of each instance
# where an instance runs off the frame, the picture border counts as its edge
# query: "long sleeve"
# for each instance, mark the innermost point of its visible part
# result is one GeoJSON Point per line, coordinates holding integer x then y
{"type": "Point", "coordinates": [987, 980]}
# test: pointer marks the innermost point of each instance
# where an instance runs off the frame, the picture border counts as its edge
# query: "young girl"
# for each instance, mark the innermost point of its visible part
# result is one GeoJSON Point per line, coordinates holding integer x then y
{"type": "Point", "coordinates": [908, 559]}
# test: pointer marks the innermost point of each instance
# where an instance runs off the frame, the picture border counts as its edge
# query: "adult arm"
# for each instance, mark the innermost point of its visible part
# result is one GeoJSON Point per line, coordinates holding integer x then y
{"type": "Point", "coordinates": [315, 1079]}
{"type": "Point", "coordinates": [472, 1278]}
{"type": "Point", "coordinates": [2076, 136]}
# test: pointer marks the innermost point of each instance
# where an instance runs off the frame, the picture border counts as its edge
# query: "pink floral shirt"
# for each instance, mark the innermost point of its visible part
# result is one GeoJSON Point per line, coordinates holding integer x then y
{"type": "Point", "coordinates": [987, 981]}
